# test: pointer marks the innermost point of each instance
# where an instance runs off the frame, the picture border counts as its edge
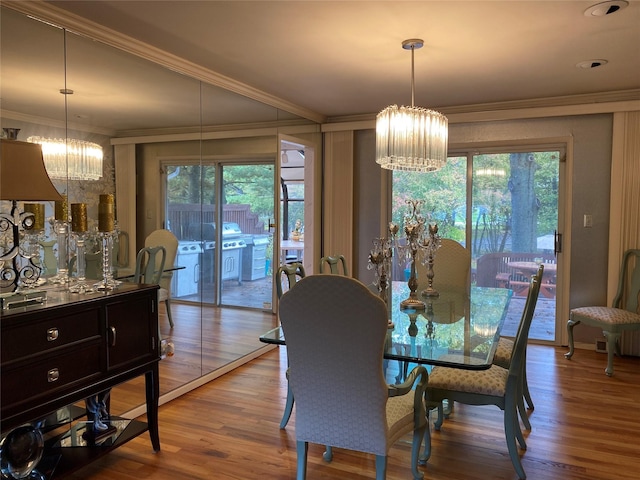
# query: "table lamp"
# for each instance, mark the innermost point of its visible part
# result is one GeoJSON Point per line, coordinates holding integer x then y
{"type": "Point", "coordinates": [23, 177]}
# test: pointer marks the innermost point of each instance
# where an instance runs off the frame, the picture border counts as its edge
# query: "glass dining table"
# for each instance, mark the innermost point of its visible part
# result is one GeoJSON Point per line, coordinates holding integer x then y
{"type": "Point", "coordinates": [456, 329]}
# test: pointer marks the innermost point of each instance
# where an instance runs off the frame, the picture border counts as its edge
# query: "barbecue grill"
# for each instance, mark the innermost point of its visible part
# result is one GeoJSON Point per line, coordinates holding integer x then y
{"type": "Point", "coordinates": [232, 245]}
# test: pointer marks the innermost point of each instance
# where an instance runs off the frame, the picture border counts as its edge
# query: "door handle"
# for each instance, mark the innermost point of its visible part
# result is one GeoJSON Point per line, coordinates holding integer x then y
{"type": "Point", "coordinates": [557, 243]}
{"type": "Point", "coordinates": [113, 336]}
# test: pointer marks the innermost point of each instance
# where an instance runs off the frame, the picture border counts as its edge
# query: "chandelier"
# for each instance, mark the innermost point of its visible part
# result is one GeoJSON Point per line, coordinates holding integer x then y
{"type": "Point", "coordinates": [71, 159]}
{"type": "Point", "coordinates": [411, 138]}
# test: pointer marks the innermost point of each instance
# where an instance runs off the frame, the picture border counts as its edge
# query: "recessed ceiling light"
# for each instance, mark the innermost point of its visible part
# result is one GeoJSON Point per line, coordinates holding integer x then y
{"type": "Point", "coordinates": [605, 8]}
{"type": "Point", "coordinates": [591, 63]}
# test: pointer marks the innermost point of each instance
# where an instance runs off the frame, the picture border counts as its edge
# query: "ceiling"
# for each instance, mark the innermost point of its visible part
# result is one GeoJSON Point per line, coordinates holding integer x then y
{"type": "Point", "coordinates": [344, 58]}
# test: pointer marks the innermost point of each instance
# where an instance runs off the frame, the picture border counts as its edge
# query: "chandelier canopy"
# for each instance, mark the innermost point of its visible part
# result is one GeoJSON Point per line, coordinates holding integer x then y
{"type": "Point", "coordinates": [411, 138]}
{"type": "Point", "coordinates": [71, 159]}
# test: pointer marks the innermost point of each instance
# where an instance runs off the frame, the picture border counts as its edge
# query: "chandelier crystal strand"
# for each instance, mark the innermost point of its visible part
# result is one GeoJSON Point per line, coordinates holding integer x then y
{"type": "Point", "coordinates": [71, 159]}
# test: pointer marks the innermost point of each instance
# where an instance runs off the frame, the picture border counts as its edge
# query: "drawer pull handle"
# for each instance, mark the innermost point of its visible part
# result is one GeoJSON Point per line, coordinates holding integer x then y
{"type": "Point", "coordinates": [113, 336]}
{"type": "Point", "coordinates": [53, 375]}
{"type": "Point", "coordinates": [52, 334]}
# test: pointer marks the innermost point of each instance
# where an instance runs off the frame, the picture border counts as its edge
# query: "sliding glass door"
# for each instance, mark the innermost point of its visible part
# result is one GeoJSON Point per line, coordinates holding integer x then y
{"type": "Point", "coordinates": [502, 205]}
{"type": "Point", "coordinates": [232, 266]}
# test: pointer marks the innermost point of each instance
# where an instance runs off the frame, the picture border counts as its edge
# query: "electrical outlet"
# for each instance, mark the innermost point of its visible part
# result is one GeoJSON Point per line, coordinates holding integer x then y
{"type": "Point", "coordinates": [588, 221]}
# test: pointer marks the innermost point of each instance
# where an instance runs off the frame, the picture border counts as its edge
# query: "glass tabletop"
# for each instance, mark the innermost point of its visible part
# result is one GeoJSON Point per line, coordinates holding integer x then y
{"type": "Point", "coordinates": [454, 330]}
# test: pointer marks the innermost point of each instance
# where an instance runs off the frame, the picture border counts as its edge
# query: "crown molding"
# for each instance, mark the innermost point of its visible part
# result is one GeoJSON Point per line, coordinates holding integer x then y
{"type": "Point", "coordinates": [56, 16]}
{"type": "Point", "coordinates": [591, 104]}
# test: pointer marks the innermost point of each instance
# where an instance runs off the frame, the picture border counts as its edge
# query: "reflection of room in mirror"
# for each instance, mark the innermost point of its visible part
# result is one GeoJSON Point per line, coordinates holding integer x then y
{"type": "Point", "coordinates": [141, 112]}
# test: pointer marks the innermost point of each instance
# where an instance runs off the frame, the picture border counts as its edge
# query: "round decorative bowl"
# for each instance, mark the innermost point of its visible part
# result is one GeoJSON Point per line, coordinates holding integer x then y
{"type": "Point", "coordinates": [20, 452]}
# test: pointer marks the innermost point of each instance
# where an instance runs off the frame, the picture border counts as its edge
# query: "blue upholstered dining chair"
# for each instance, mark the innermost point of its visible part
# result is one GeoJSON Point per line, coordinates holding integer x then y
{"type": "Point", "coordinates": [451, 267]}
{"type": "Point", "coordinates": [149, 265]}
{"type": "Point", "coordinates": [495, 386]}
{"type": "Point", "coordinates": [288, 273]}
{"type": "Point", "coordinates": [337, 265]}
{"type": "Point", "coordinates": [502, 358]}
{"type": "Point", "coordinates": [335, 329]}
{"type": "Point", "coordinates": [169, 241]}
{"type": "Point", "coordinates": [620, 316]}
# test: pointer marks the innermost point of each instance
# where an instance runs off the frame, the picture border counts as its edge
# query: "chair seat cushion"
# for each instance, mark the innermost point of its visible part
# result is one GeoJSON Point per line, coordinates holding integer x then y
{"type": "Point", "coordinates": [492, 381]}
{"type": "Point", "coordinates": [399, 416]}
{"type": "Point", "coordinates": [502, 357]}
{"type": "Point", "coordinates": [604, 315]}
{"type": "Point", "coordinates": [163, 294]}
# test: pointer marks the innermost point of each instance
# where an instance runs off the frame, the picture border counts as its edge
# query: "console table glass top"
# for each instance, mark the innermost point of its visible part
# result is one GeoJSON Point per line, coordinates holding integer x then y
{"type": "Point", "coordinates": [454, 330]}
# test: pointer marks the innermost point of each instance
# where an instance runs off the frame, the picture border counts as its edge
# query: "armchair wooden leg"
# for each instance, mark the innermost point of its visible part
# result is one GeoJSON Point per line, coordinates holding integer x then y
{"type": "Point", "coordinates": [526, 393]}
{"type": "Point", "coordinates": [167, 304]}
{"type": "Point", "coordinates": [288, 408]}
{"type": "Point", "coordinates": [381, 467]}
{"type": "Point", "coordinates": [612, 348]}
{"type": "Point", "coordinates": [327, 456]}
{"type": "Point", "coordinates": [510, 427]}
{"type": "Point", "coordinates": [301, 449]}
{"type": "Point", "coordinates": [570, 325]}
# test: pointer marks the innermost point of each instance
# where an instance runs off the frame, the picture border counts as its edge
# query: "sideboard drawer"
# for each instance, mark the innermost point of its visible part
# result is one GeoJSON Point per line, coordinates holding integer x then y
{"type": "Point", "coordinates": [21, 340]}
{"type": "Point", "coordinates": [26, 381]}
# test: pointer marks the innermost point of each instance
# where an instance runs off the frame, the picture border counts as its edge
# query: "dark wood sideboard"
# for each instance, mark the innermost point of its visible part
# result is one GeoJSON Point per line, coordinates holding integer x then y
{"type": "Point", "coordinates": [74, 346]}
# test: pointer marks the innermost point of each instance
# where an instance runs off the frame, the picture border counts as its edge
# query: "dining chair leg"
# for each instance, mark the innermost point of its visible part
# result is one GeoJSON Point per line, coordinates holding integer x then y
{"type": "Point", "coordinates": [288, 408]}
{"type": "Point", "coordinates": [418, 435]}
{"type": "Point", "coordinates": [301, 449]}
{"type": "Point", "coordinates": [167, 304]}
{"type": "Point", "coordinates": [527, 394]}
{"type": "Point", "coordinates": [327, 456]}
{"type": "Point", "coordinates": [523, 414]}
{"type": "Point", "coordinates": [381, 467]}
{"type": "Point", "coordinates": [512, 431]}
{"type": "Point", "coordinates": [426, 455]}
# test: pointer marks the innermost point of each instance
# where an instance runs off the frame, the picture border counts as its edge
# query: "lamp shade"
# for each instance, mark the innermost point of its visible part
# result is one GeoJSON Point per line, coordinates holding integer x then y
{"type": "Point", "coordinates": [22, 173]}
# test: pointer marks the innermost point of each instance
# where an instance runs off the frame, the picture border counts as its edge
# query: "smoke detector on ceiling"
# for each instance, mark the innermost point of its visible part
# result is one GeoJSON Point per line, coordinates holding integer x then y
{"type": "Point", "coordinates": [605, 8]}
{"type": "Point", "coordinates": [592, 63]}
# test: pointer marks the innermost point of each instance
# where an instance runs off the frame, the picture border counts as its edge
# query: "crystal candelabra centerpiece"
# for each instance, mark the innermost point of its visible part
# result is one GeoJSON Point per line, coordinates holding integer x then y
{"type": "Point", "coordinates": [414, 229]}
{"type": "Point", "coordinates": [380, 261]}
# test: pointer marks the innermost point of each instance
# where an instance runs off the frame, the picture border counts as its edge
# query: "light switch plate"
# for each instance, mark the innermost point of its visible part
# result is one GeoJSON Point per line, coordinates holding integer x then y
{"type": "Point", "coordinates": [588, 221]}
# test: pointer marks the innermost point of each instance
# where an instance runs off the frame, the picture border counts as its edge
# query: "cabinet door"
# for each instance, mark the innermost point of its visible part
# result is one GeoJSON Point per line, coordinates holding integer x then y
{"type": "Point", "coordinates": [132, 331]}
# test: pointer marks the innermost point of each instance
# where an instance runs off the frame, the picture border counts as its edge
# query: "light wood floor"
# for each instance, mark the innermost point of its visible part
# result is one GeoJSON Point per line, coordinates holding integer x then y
{"type": "Point", "coordinates": [585, 426]}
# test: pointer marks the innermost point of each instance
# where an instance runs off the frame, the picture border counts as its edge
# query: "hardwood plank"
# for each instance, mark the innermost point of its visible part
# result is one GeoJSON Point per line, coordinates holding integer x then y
{"type": "Point", "coordinates": [585, 426]}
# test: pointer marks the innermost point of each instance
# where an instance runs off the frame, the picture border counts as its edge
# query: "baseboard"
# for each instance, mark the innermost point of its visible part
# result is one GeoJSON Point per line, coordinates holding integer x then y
{"type": "Point", "coordinates": [173, 394]}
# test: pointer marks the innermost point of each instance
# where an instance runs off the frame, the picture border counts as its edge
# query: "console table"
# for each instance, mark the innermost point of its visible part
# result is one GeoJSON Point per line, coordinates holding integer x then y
{"type": "Point", "coordinates": [74, 346]}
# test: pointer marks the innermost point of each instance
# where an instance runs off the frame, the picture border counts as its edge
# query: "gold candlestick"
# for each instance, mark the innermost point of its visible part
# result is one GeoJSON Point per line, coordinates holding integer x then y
{"type": "Point", "coordinates": [38, 213]}
{"type": "Point", "coordinates": [79, 217]}
{"type": "Point", "coordinates": [106, 213]}
{"type": "Point", "coordinates": [61, 209]}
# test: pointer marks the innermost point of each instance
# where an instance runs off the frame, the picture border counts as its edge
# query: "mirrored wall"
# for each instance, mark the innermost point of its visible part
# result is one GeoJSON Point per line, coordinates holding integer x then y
{"type": "Point", "coordinates": [56, 84]}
